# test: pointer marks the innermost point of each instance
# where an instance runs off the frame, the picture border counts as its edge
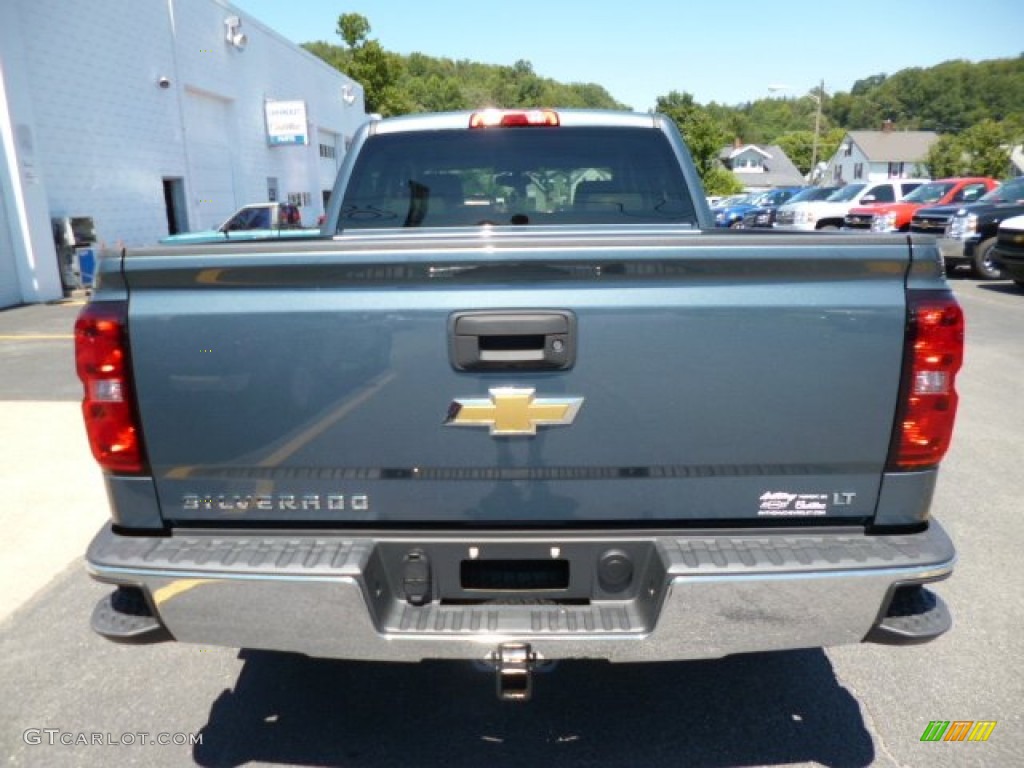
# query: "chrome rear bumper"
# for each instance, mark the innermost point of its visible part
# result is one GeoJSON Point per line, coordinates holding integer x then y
{"type": "Point", "coordinates": [691, 595]}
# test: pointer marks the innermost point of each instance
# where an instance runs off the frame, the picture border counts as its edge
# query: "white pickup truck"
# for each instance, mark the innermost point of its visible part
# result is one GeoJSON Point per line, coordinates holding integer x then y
{"type": "Point", "coordinates": [830, 212]}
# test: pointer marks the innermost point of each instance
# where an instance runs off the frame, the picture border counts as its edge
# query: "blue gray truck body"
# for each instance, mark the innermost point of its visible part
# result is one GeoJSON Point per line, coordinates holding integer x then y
{"type": "Point", "coordinates": [633, 441]}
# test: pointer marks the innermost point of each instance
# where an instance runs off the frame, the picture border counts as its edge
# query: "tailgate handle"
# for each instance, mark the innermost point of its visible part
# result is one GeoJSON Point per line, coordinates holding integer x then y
{"type": "Point", "coordinates": [513, 340]}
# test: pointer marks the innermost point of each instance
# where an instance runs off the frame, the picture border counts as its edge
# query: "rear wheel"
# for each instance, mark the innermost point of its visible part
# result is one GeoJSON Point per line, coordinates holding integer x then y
{"type": "Point", "coordinates": [982, 264]}
{"type": "Point", "coordinates": [1019, 284]}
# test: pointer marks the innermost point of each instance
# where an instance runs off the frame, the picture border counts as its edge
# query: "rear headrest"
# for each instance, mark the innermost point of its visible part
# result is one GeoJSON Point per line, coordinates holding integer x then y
{"type": "Point", "coordinates": [586, 191]}
{"type": "Point", "coordinates": [606, 196]}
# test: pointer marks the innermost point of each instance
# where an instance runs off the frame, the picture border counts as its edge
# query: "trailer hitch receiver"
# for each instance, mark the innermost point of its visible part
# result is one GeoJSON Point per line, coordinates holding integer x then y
{"type": "Point", "coordinates": [513, 664]}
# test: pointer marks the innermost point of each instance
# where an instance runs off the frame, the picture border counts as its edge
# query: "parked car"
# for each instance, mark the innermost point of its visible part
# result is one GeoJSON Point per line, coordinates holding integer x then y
{"type": "Point", "coordinates": [260, 221]}
{"type": "Point", "coordinates": [764, 215]}
{"type": "Point", "coordinates": [723, 202]}
{"type": "Point", "coordinates": [1008, 251]}
{"type": "Point", "coordinates": [830, 212]}
{"type": "Point", "coordinates": [732, 215]}
{"type": "Point", "coordinates": [932, 219]}
{"type": "Point", "coordinates": [971, 231]}
{"type": "Point", "coordinates": [722, 210]}
{"type": "Point", "coordinates": [896, 217]}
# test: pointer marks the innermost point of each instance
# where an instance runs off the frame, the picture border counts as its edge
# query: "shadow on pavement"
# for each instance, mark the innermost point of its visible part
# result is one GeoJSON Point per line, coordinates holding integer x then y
{"type": "Point", "coordinates": [758, 709]}
{"type": "Point", "coordinates": [1002, 287]}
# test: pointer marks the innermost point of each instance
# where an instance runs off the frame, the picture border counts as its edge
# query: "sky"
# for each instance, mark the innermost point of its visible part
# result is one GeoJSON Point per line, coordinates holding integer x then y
{"type": "Point", "coordinates": [728, 52]}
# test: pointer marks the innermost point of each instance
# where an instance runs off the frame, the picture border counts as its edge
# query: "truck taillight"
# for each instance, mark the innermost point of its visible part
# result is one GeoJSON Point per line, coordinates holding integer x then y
{"type": "Point", "coordinates": [103, 364]}
{"type": "Point", "coordinates": [928, 399]}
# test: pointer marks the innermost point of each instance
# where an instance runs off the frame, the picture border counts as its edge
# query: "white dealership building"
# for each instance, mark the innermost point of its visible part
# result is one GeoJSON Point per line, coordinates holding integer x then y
{"type": "Point", "coordinates": [124, 120]}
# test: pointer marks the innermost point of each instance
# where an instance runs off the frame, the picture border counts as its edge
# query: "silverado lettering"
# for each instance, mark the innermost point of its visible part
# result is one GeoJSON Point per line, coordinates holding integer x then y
{"type": "Point", "coordinates": [334, 501]}
{"type": "Point", "coordinates": [580, 411]}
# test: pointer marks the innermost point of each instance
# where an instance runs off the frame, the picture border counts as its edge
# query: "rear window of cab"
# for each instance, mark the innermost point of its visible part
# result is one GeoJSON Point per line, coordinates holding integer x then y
{"type": "Point", "coordinates": [516, 176]}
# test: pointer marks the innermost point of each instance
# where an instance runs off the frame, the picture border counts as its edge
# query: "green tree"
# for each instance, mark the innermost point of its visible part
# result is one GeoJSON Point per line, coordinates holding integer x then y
{"type": "Point", "coordinates": [721, 181]}
{"type": "Point", "coordinates": [377, 70]}
{"type": "Point", "coordinates": [517, 86]}
{"type": "Point", "coordinates": [397, 84]}
{"type": "Point", "coordinates": [799, 146]}
{"type": "Point", "coordinates": [435, 93]}
{"type": "Point", "coordinates": [867, 84]}
{"type": "Point", "coordinates": [703, 135]}
{"type": "Point", "coordinates": [946, 158]}
{"type": "Point", "coordinates": [353, 28]}
{"type": "Point", "coordinates": [981, 150]}
{"type": "Point", "coordinates": [950, 97]}
{"type": "Point", "coordinates": [987, 144]}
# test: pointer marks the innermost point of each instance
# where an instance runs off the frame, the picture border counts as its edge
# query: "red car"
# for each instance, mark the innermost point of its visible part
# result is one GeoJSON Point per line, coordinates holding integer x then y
{"type": "Point", "coordinates": [895, 217]}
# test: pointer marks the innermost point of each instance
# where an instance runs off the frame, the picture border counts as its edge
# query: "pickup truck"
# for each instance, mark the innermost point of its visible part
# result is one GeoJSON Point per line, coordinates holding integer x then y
{"type": "Point", "coordinates": [1009, 249]}
{"type": "Point", "coordinates": [971, 230]}
{"type": "Point", "coordinates": [896, 216]}
{"type": "Point", "coordinates": [259, 221]}
{"type": "Point", "coordinates": [830, 212]}
{"type": "Point", "coordinates": [521, 402]}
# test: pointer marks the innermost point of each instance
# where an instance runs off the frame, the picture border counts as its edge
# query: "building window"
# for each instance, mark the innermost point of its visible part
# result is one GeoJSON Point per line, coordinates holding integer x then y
{"type": "Point", "coordinates": [299, 198]}
{"type": "Point", "coordinates": [748, 163]}
{"type": "Point", "coordinates": [848, 149]}
{"type": "Point", "coordinates": [272, 189]}
{"type": "Point", "coordinates": [895, 170]}
{"type": "Point", "coordinates": [858, 170]}
{"type": "Point", "coordinates": [327, 151]}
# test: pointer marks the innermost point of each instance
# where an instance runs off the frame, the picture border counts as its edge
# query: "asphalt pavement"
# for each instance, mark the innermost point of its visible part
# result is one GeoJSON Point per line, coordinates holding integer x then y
{"type": "Point", "coordinates": [52, 490]}
{"type": "Point", "coordinates": [74, 699]}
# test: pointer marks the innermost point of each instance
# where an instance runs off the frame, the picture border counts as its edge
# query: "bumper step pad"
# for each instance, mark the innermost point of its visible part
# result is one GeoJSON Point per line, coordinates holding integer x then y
{"type": "Point", "coordinates": [124, 616]}
{"type": "Point", "coordinates": [915, 615]}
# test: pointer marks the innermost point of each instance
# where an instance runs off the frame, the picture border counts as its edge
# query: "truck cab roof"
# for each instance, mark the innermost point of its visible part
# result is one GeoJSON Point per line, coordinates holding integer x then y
{"type": "Point", "coordinates": [572, 118]}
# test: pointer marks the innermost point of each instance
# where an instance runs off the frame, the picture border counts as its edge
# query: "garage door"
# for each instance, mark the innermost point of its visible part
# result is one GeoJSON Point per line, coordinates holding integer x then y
{"type": "Point", "coordinates": [207, 122]}
{"type": "Point", "coordinates": [10, 292]}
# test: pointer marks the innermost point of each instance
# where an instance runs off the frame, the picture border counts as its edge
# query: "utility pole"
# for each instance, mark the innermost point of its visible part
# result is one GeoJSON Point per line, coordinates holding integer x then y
{"type": "Point", "coordinates": [817, 130]}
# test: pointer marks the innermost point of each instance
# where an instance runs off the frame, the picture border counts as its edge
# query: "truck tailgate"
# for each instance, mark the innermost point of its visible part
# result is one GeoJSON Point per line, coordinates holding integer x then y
{"type": "Point", "coordinates": [716, 379]}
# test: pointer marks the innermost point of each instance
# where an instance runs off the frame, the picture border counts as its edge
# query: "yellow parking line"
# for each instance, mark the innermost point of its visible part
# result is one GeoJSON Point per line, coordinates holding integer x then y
{"type": "Point", "coordinates": [176, 588]}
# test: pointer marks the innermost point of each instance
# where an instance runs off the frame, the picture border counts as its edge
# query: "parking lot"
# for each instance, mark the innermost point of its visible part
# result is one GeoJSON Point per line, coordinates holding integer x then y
{"type": "Point", "coordinates": [74, 699]}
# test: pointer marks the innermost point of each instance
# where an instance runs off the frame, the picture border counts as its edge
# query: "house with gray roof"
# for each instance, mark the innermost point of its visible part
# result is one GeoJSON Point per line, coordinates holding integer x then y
{"type": "Point", "coordinates": [759, 166]}
{"type": "Point", "coordinates": [880, 155]}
